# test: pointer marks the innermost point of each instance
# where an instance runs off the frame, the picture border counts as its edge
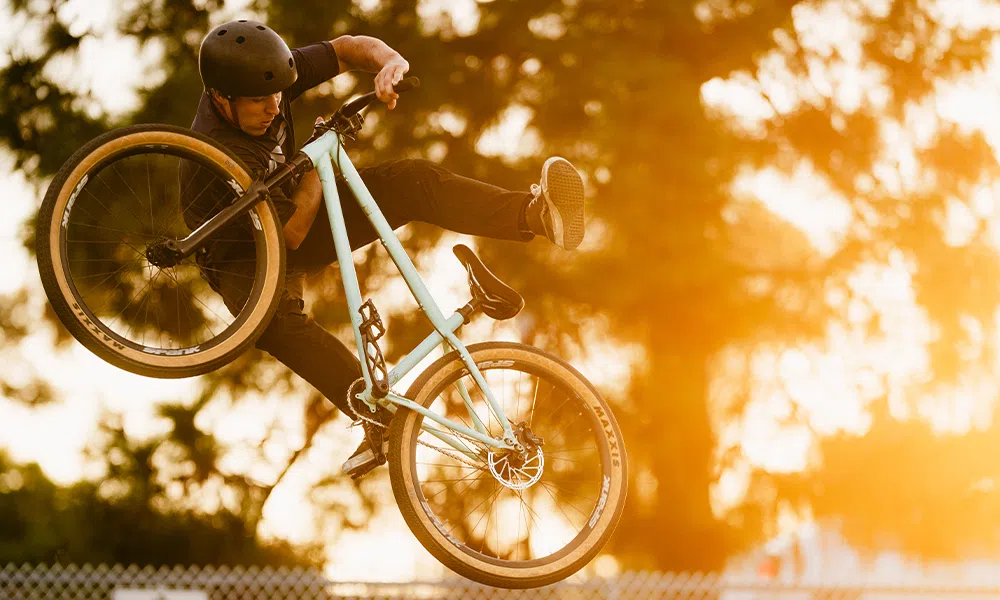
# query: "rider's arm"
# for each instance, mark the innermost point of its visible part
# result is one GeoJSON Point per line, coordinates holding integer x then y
{"type": "Point", "coordinates": [363, 53]}
{"type": "Point", "coordinates": [297, 212]}
{"type": "Point", "coordinates": [306, 197]}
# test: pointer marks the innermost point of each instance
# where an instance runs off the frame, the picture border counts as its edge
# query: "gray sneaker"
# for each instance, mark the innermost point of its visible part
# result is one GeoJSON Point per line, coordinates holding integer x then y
{"type": "Point", "coordinates": [364, 460]}
{"type": "Point", "coordinates": [561, 189]}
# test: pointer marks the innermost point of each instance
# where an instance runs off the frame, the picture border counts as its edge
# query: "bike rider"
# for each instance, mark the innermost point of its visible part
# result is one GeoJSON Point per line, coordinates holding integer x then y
{"type": "Point", "coordinates": [250, 78]}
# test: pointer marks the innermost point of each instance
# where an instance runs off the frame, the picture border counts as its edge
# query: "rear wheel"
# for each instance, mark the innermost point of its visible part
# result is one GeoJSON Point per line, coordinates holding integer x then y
{"type": "Point", "coordinates": [506, 519]}
{"type": "Point", "coordinates": [111, 201]}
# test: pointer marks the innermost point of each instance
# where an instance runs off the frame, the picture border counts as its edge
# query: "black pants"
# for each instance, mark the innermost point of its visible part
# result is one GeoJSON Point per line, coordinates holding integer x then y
{"type": "Point", "coordinates": [405, 191]}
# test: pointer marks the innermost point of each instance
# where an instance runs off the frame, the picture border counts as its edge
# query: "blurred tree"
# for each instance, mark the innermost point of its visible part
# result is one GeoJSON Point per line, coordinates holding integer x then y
{"type": "Point", "coordinates": [128, 518]}
{"type": "Point", "coordinates": [906, 487]}
{"type": "Point", "coordinates": [675, 263]}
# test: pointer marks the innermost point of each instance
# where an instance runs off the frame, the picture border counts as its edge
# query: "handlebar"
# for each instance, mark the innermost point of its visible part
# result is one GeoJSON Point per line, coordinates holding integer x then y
{"type": "Point", "coordinates": [358, 104]}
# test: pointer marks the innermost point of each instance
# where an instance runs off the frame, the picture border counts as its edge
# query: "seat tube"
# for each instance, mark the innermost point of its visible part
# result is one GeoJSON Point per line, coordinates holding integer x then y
{"type": "Point", "coordinates": [342, 244]}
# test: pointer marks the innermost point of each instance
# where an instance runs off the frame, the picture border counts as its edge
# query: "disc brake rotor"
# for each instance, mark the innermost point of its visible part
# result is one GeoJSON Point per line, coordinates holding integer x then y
{"type": "Point", "coordinates": [514, 473]}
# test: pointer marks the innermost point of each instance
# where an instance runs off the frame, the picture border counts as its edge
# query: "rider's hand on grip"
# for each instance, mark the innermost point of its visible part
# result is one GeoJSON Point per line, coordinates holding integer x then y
{"type": "Point", "coordinates": [406, 85]}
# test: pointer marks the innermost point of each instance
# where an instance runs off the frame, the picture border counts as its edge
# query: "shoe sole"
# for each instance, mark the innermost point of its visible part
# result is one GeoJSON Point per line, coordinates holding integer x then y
{"type": "Point", "coordinates": [563, 188]}
{"type": "Point", "coordinates": [355, 462]}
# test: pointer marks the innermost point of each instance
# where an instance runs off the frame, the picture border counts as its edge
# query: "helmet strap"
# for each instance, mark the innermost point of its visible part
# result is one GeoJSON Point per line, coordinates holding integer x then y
{"type": "Point", "coordinates": [232, 109]}
{"type": "Point", "coordinates": [235, 116]}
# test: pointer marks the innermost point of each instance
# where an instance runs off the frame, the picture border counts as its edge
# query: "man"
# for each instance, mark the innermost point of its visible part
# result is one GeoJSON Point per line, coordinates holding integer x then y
{"type": "Point", "coordinates": [251, 77]}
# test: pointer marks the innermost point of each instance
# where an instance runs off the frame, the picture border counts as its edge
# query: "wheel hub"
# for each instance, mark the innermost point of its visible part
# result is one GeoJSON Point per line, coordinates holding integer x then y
{"type": "Point", "coordinates": [161, 254]}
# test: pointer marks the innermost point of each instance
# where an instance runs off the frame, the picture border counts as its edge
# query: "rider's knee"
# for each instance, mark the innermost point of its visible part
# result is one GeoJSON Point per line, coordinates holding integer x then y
{"type": "Point", "coordinates": [287, 325]}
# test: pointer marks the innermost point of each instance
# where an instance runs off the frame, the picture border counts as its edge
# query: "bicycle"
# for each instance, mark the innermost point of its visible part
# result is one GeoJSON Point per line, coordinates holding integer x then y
{"type": "Point", "coordinates": [473, 435]}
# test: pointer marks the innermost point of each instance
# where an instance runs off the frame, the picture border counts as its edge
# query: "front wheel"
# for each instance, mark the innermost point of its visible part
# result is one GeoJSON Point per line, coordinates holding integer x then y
{"type": "Point", "coordinates": [124, 193]}
{"type": "Point", "coordinates": [506, 519]}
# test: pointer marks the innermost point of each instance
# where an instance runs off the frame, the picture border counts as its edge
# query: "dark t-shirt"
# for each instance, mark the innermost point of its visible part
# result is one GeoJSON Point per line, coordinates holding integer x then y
{"type": "Point", "coordinates": [201, 192]}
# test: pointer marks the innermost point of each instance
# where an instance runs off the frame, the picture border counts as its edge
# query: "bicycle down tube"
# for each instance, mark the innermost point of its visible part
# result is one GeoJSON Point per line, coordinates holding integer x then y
{"type": "Point", "coordinates": [322, 152]}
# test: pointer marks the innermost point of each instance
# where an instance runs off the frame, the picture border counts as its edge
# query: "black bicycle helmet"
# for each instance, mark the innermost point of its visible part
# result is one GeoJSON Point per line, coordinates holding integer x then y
{"type": "Point", "coordinates": [245, 58]}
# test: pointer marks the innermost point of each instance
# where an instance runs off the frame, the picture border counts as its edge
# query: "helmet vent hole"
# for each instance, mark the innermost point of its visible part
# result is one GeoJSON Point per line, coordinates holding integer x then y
{"type": "Point", "coordinates": [291, 63]}
{"type": "Point", "coordinates": [223, 32]}
{"type": "Point", "coordinates": [261, 27]}
{"type": "Point", "coordinates": [269, 76]}
{"type": "Point", "coordinates": [240, 40]}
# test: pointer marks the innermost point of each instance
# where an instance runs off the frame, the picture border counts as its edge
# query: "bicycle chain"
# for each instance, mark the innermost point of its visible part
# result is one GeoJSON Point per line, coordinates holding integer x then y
{"type": "Point", "coordinates": [359, 418]}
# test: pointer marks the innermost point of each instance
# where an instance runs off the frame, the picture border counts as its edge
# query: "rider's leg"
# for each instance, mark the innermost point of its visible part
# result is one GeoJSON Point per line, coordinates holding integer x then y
{"type": "Point", "coordinates": [298, 341]}
{"type": "Point", "coordinates": [310, 351]}
{"type": "Point", "coordinates": [420, 190]}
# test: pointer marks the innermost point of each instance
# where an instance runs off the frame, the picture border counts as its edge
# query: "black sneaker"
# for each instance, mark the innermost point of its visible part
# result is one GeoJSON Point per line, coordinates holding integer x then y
{"type": "Point", "coordinates": [561, 189]}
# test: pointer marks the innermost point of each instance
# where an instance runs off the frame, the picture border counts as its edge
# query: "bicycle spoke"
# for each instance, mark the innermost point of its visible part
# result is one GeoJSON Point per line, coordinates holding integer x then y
{"type": "Point", "coordinates": [436, 494]}
{"type": "Point", "coordinates": [114, 289]}
{"type": "Point", "coordinates": [108, 273]}
{"type": "Point", "coordinates": [112, 229]}
{"type": "Point", "coordinates": [444, 480]}
{"type": "Point", "coordinates": [193, 297]}
{"type": "Point", "coordinates": [473, 510]}
{"type": "Point", "coordinates": [563, 403]}
{"type": "Point", "coordinates": [548, 485]}
{"type": "Point", "coordinates": [489, 514]}
{"type": "Point", "coordinates": [458, 466]}
{"type": "Point", "coordinates": [560, 459]}
{"type": "Point", "coordinates": [534, 399]}
{"type": "Point", "coordinates": [115, 167]}
{"type": "Point", "coordinates": [234, 260]}
{"type": "Point", "coordinates": [149, 186]}
{"type": "Point", "coordinates": [211, 211]}
{"type": "Point", "coordinates": [520, 512]}
{"type": "Point", "coordinates": [145, 317]}
{"type": "Point", "coordinates": [134, 262]}
{"type": "Point", "coordinates": [93, 241]}
{"type": "Point", "coordinates": [251, 277]}
{"type": "Point", "coordinates": [489, 410]}
{"type": "Point", "coordinates": [98, 200]}
{"type": "Point", "coordinates": [588, 448]}
{"type": "Point", "coordinates": [559, 431]}
{"type": "Point", "coordinates": [559, 506]}
{"type": "Point", "coordinates": [517, 409]}
{"type": "Point", "coordinates": [130, 300]}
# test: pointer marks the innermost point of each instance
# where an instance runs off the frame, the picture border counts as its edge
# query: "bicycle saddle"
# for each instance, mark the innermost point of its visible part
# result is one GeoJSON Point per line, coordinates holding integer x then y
{"type": "Point", "coordinates": [497, 299]}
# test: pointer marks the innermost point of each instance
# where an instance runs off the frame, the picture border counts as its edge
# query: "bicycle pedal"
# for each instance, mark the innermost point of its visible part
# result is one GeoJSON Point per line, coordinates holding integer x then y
{"type": "Point", "coordinates": [371, 330]}
{"type": "Point", "coordinates": [371, 321]}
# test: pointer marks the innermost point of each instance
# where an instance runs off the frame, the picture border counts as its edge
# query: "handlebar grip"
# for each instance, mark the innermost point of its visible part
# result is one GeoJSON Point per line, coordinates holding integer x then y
{"type": "Point", "coordinates": [406, 85]}
{"type": "Point", "coordinates": [356, 105]}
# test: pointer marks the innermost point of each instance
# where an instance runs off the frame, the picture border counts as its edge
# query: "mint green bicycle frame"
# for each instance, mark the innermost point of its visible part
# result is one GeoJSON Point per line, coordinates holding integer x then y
{"type": "Point", "coordinates": [325, 153]}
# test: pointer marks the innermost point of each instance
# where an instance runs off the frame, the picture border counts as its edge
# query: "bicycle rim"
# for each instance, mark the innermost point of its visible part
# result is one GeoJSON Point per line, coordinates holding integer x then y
{"type": "Point", "coordinates": [127, 194]}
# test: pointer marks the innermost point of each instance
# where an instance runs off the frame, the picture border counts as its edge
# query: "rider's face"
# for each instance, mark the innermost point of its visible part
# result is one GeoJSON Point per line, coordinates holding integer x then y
{"type": "Point", "coordinates": [256, 114]}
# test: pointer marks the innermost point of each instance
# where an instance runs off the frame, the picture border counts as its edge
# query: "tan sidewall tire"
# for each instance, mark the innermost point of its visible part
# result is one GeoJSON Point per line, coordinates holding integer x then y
{"type": "Point", "coordinates": [57, 287]}
{"type": "Point", "coordinates": [404, 487]}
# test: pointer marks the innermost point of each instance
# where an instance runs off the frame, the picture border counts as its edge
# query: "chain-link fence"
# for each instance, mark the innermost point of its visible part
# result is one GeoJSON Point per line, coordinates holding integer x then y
{"type": "Point", "coordinates": [69, 582]}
